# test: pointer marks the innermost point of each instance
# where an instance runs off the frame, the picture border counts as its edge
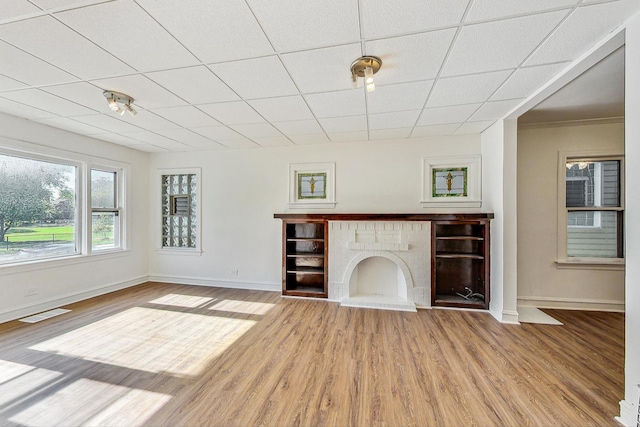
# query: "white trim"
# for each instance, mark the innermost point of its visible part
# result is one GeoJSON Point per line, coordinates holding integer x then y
{"type": "Point", "coordinates": [566, 123]}
{"type": "Point", "coordinates": [216, 283]}
{"type": "Point", "coordinates": [330, 186]}
{"type": "Point", "coordinates": [611, 264]}
{"type": "Point", "coordinates": [473, 199]}
{"type": "Point", "coordinates": [29, 309]}
{"type": "Point", "coordinates": [617, 306]}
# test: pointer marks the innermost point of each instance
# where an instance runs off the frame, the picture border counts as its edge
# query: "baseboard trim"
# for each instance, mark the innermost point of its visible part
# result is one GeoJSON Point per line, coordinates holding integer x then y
{"type": "Point", "coordinates": [505, 316]}
{"type": "Point", "coordinates": [199, 281]}
{"type": "Point", "coordinates": [573, 304]}
{"type": "Point", "coordinates": [627, 414]}
{"type": "Point", "coordinates": [30, 309]}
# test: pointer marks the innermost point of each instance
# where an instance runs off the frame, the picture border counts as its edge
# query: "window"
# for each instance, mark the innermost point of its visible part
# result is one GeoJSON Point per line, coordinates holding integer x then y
{"type": "Point", "coordinates": [105, 210]}
{"type": "Point", "coordinates": [38, 209]}
{"type": "Point", "coordinates": [179, 203]}
{"type": "Point", "coordinates": [593, 208]}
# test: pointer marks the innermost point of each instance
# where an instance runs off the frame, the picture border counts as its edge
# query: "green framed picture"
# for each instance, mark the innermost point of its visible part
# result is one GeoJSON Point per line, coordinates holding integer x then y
{"type": "Point", "coordinates": [449, 182]}
{"type": "Point", "coordinates": [312, 185]}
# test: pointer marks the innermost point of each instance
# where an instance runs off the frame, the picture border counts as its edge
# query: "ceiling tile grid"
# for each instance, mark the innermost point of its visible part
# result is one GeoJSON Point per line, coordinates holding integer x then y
{"type": "Point", "coordinates": [249, 74]}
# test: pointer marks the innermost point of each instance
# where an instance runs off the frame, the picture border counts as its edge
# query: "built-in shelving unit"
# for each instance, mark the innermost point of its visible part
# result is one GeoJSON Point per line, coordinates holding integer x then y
{"type": "Point", "coordinates": [304, 258]}
{"type": "Point", "coordinates": [460, 264]}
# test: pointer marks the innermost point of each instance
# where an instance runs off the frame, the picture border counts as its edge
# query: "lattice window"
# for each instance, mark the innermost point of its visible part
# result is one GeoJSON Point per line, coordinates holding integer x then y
{"type": "Point", "coordinates": [179, 226]}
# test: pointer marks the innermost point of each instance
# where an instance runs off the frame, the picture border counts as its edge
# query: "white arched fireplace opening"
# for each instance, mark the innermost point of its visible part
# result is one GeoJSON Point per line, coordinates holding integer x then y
{"type": "Point", "coordinates": [378, 279]}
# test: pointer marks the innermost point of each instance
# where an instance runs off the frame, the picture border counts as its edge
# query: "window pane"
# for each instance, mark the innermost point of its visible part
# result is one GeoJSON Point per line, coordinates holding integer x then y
{"type": "Point", "coordinates": [103, 189]}
{"type": "Point", "coordinates": [594, 242]}
{"type": "Point", "coordinates": [104, 230]}
{"type": "Point", "coordinates": [37, 209]}
{"type": "Point", "coordinates": [178, 209]}
{"type": "Point", "coordinates": [593, 183]}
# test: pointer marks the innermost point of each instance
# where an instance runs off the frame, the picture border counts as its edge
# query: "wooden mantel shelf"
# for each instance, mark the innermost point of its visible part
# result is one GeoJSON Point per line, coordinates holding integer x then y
{"type": "Point", "coordinates": [385, 216]}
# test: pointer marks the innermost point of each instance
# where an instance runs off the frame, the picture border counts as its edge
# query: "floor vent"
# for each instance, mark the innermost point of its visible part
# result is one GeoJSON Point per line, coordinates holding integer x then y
{"type": "Point", "coordinates": [44, 316]}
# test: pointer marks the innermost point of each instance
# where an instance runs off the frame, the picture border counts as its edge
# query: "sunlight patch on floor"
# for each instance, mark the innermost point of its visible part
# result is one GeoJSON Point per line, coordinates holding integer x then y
{"type": "Point", "coordinates": [151, 340]}
{"type": "Point", "coordinates": [18, 380]}
{"type": "Point", "coordinates": [245, 307]}
{"type": "Point", "coordinates": [93, 403]}
{"type": "Point", "coordinates": [179, 300]}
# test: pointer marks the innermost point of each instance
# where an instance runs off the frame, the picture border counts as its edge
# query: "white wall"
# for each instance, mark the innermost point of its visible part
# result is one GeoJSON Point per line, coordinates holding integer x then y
{"type": "Point", "coordinates": [63, 281]}
{"type": "Point", "coordinates": [540, 282]}
{"type": "Point", "coordinates": [628, 407]}
{"type": "Point", "coordinates": [242, 189]}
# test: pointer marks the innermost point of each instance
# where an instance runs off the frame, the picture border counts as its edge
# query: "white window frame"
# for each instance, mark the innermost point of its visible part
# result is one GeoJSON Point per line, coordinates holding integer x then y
{"type": "Point", "coordinates": [157, 197]}
{"type": "Point", "coordinates": [563, 260]}
{"type": "Point", "coordinates": [82, 230]}
{"type": "Point", "coordinates": [120, 198]}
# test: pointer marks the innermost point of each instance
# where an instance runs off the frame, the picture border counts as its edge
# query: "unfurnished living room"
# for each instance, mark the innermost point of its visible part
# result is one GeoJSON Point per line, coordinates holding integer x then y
{"type": "Point", "coordinates": [327, 213]}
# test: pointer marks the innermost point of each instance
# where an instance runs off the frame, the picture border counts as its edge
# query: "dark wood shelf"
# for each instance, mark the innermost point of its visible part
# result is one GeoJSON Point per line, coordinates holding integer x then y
{"type": "Point", "coordinates": [460, 262]}
{"type": "Point", "coordinates": [452, 255]}
{"type": "Point", "coordinates": [304, 258]}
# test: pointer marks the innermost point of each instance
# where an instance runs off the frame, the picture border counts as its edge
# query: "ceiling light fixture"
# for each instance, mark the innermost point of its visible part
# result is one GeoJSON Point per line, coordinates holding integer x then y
{"type": "Point", "coordinates": [115, 98]}
{"type": "Point", "coordinates": [365, 67]}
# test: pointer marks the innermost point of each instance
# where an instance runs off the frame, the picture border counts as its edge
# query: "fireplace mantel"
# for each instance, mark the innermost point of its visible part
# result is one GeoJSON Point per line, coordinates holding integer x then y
{"type": "Point", "coordinates": [385, 216]}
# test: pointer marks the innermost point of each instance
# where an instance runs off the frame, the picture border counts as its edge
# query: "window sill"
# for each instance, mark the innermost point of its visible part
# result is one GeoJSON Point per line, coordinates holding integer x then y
{"type": "Point", "coordinates": [47, 263]}
{"type": "Point", "coordinates": [175, 251]}
{"type": "Point", "coordinates": [612, 264]}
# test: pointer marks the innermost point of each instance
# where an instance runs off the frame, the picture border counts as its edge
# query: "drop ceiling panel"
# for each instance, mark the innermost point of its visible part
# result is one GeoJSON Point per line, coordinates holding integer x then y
{"type": "Point", "coordinates": [155, 139]}
{"type": "Point", "coordinates": [238, 143]}
{"type": "Point", "coordinates": [473, 127]}
{"type": "Point", "coordinates": [381, 18]}
{"type": "Point", "coordinates": [232, 113]}
{"type": "Point", "coordinates": [196, 85]}
{"type": "Point", "coordinates": [21, 110]}
{"type": "Point", "coordinates": [256, 78]}
{"type": "Point", "coordinates": [278, 141]}
{"type": "Point", "coordinates": [71, 125]}
{"type": "Point", "coordinates": [299, 127]}
{"type": "Point", "coordinates": [494, 110]}
{"type": "Point", "coordinates": [108, 122]}
{"type": "Point", "coordinates": [7, 83]}
{"type": "Point", "coordinates": [81, 93]}
{"type": "Point", "coordinates": [147, 120]}
{"type": "Point", "coordinates": [256, 130]}
{"type": "Point", "coordinates": [402, 119]}
{"type": "Point", "coordinates": [212, 31]}
{"type": "Point", "coordinates": [446, 115]}
{"type": "Point", "coordinates": [56, 4]}
{"type": "Point", "coordinates": [349, 136]}
{"type": "Point", "coordinates": [344, 124]}
{"type": "Point", "coordinates": [140, 42]}
{"type": "Point", "coordinates": [11, 9]}
{"type": "Point", "coordinates": [292, 26]}
{"type": "Point", "coordinates": [54, 42]}
{"type": "Point", "coordinates": [319, 138]}
{"type": "Point", "coordinates": [187, 116]}
{"type": "Point", "coordinates": [120, 140]}
{"type": "Point", "coordinates": [499, 45]}
{"type": "Point", "coordinates": [337, 104]}
{"type": "Point", "coordinates": [45, 101]}
{"type": "Point", "coordinates": [410, 58]}
{"type": "Point", "coordinates": [582, 30]}
{"type": "Point", "coordinates": [146, 93]}
{"type": "Point", "coordinates": [493, 9]}
{"type": "Point", "coordinates": [26, 68]}
{"type": "Point", "coordinates": [466, 90]}
{"type": "Point", "coordinates": [218, 133]}
{"type": "Point", "coordinates": [321, 70]}
{"type": "Point", "coordinates": [526, 80]}
{"type": "Point", "coordinates": [389, 134]}
{"type": "Point", "coordinates": [400, 97]}
{"type": "Point", "coordinates": [282, 109]}
{"type": "Point", "coordinates": [422, 131]}
{"type": "Point", "coordinates": [191, 139]}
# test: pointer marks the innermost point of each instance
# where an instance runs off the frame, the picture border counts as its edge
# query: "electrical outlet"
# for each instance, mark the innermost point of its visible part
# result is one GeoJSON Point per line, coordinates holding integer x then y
{"type": "Point", "coordinates": [30, 292]}
{"type": "Point", "coordinates": [234, 272]}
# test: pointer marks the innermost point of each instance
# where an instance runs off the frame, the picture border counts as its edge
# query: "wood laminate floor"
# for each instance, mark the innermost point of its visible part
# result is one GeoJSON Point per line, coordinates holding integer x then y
{"type": "Point", "coordinates": [175, 355]}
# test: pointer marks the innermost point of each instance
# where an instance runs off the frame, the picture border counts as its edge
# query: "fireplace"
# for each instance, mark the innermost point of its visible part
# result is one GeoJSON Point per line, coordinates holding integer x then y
{"type": "Point", "coordinates": [380, 264]}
